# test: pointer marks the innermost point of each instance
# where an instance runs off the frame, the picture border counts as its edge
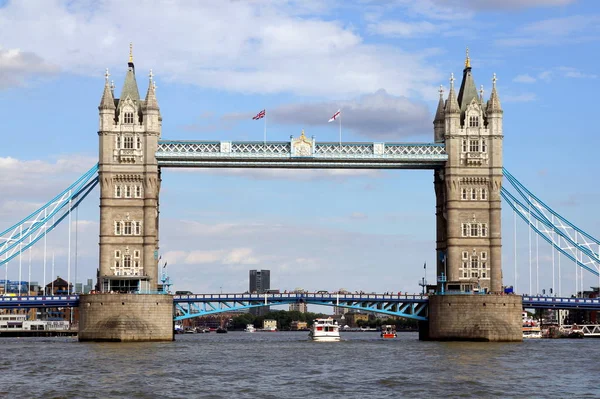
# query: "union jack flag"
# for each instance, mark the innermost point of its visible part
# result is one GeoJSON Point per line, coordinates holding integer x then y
{"type": "Point", "coordinates": [260, 115]}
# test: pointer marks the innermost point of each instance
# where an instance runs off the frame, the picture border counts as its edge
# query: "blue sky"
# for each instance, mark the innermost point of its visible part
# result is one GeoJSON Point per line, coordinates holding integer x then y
{"type": "Point", "coordinates": [217, 64]}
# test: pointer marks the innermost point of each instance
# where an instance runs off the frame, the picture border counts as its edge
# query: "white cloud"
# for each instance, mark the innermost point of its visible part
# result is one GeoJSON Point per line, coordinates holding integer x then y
{"type": "Point", "coordinates": [253, 47]}
{"type": "Point", "coordinates": [483, 5]}
{"type": "Point", "coordinates": [524, 79]}
{"type": "Point", "coordinates": [555, 31]}
{"type": "Point", "coordinates": [17, 67]}
{"type": "Point", "coordinates": [570, 72]}
{"type": "Point", "coordinates": [31, 178]}
{"type": "Point", "coordinates": [404, 29]}
{"type": "Point", "coordinates": [378, 115]}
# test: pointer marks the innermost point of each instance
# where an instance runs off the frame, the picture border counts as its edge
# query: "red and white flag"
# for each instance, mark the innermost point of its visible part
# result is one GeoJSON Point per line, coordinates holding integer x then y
{"type": "Point", "coordinates": [260, 115]}
{"type": "Point", "coordinates": [335, 116]}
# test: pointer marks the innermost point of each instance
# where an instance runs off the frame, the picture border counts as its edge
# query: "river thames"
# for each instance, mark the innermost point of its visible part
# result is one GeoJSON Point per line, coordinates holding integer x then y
{"type": "Point", "coordinates": [288, 365]}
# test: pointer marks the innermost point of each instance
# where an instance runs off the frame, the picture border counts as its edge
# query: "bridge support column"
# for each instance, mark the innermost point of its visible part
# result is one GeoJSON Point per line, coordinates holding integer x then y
{"type": "Point", "coordinates": [473, 318]}
{"type": "Point", "coordinates": [125, 317]}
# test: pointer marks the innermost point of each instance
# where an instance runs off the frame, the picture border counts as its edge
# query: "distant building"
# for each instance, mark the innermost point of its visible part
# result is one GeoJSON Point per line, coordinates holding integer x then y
{"type": "Point", "coordinates": [352, 318]}
{"type": "Point", "coordinates": [260, 281]}
{"type": "Point", "coordinates": [298, 325]}
{"type": "Point", "coordinates": [270, 325]}
{"type": "Point", "coordinates": [339, 311]}
{"type": "Point", "coordinates": [298, 307]}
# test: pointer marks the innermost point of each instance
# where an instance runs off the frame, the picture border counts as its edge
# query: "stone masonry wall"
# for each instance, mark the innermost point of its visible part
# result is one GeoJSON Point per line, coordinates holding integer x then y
{"type": "Point", "coordinates": [474, 318]}
{"type": "Point", "coordinates": [125, 317]}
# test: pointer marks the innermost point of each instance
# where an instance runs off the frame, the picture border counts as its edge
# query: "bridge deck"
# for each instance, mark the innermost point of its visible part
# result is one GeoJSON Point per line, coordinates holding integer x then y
{"type": "Point", "coordinates": [300, 153]}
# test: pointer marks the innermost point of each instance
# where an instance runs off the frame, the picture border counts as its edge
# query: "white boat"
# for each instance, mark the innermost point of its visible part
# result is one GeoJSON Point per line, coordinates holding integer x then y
{"type": "Point", "coordinates": [250, 328]}
{"type": "Point", "coordinates": [325, 330]}
{"type": "Point", "coordinates": [531, 328]}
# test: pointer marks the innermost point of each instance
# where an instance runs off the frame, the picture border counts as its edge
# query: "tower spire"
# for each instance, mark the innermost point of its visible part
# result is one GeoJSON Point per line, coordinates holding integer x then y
{"type": "Point", "coordinates": [151, 102]}
{"type": "Point", "coordinates": [107, 101]}
{"type": "Point", "coordinates": [493, 104]}
{"type": "Point", "coordinates": [452, 104]}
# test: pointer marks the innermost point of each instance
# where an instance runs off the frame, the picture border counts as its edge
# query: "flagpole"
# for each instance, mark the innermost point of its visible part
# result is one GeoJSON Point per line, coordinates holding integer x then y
{"type": "Point", "coordinates": [340, 128]}
{"type": "Point", "coordinates": [265, 135]}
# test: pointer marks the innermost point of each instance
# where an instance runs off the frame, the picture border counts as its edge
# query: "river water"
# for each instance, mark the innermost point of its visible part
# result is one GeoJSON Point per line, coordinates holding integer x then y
{"type": "Point", "coordinates": [288, 365]}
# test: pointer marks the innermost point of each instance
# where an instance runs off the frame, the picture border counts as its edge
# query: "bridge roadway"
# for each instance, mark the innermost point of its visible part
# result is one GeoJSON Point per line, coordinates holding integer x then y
{"type": "Point", "coordinates": [189, 306]}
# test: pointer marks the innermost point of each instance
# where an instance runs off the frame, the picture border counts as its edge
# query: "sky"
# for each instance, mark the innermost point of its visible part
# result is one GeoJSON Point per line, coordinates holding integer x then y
{"type": "Point", "coordinates": [216, 64]}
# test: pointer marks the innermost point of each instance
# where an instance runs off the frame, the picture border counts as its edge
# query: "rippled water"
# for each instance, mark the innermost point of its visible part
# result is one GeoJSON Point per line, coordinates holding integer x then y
{"type": "Point", "coordinates": [287, 365]}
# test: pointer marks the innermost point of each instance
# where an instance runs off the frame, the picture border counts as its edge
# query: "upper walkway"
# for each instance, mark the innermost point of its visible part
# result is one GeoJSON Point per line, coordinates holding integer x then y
{"type": "Point", "coordinates": [393, 304]}
{"type": "Point", "coordinates": [301, 152]}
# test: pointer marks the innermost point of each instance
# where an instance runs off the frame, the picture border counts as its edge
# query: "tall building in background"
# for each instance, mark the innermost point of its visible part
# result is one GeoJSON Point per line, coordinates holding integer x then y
{"type": "Point", "coordinates": [299, 307]}
{"type": "Point", "coordinates": [260, 281]}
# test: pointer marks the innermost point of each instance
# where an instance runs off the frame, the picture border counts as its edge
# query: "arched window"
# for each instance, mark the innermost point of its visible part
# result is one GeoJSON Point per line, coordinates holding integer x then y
{"type": "Point", "coordinates": [136, 254]}
{"type": "Point", "coordinates": [483, 146]}
{"type": "Point", "coordinates": [127, 191]}
{"type": "Point", "coordinates": [474, 263]}
{"type": "Point", "coordinates": [118, 228]}
{"type": "Point", "coordinates": [464, 146]}
{"type": "Point", "coordinates": [138, 191]}
{"type": "Point", "coordinates": [139, 142]}
{"type": "Point", "coordinates": [138, 228]}
{"type": "Point", "coordinates": [118, 191]}
{"type": "Point", "coordinates": [473, 194]}
{"type": "Point", "coordinates": [127, 261]}
{"type": "Point", "coordinates": [484, 230]}
{"type": "Point", "coordinates": [484, 194]}
{"type": "Point", "coordinates": [464, 193]}
{"type": "Point", "coordinates": [117, 254]}
{"type": "Point", "coordinates": [118, 142]}
{"type": "Point", "coordinates": [117, 264]}
{"type": "Point", "coordinates": [127, 229]}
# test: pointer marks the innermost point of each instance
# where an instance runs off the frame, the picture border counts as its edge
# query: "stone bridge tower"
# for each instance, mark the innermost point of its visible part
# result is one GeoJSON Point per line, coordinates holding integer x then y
{"type": "Point", "coordinates": [467, 189]}
{"type": "Point", "coordinates": [129, 186]}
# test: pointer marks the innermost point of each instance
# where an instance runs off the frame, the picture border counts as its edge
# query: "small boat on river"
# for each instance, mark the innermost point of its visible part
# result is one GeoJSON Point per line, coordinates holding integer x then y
{"type": "Point", "coordinates": [388, 331]}
{"type": "Point", "coordinates": [250, 328]}
{"type": "Point", "coordinates": [325, 330]}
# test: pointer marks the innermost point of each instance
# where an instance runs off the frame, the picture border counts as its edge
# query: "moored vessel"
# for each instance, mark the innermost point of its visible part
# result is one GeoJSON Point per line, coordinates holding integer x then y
{"type": "Point", "coordinates": [250, 328]}
{"type": "Point", "coordinates": [325, 330]}
{"type": "Point", "coordinates": [531, 328]}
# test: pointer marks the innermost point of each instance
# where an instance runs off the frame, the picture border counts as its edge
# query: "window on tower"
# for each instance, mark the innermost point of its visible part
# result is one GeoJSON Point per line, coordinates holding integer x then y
{"type": "Point", "coordinates": [474, 145]}
{"type": "Point", "coordinates": [118, 191]}
{"type": "Point", "coordinates": [473, 194]}
{"type": "Point", "coordinates": [127, 229]}
{"type": "Point", "coordinates": [473, 121]}
{"type": "Point", "coordinates": [126, 260]}
{"type": "Point", "coordinates": [483, 146]}
{"type": "Point", "coordinates": [464, 193]}
{"type": "Point", "coordinates": [139, 142]}
{"type": "Point", "coordinates": [128, 118]}
{"type": "Point", "coordinates": [484, 194]}
{"type": "Point", "coordinates": [128, 142]}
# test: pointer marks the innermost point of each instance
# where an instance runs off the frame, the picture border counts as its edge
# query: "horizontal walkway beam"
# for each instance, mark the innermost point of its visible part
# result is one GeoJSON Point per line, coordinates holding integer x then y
{"type": "Point", "coordinates": [300, 153]}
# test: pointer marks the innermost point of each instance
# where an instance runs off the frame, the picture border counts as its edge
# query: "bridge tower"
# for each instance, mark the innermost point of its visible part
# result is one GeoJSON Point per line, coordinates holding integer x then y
{"type": "Point", "coordinates": [129, 185]}
{"type": "Point", "coordinates": [467, 189]}
{"type": "Point", "coordinates": [129, 131]}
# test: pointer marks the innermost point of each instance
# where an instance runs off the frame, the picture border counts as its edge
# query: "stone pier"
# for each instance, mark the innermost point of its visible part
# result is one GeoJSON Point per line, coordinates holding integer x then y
{"type": "Point", "coordinates": [473, 318]}
{"type": "Point", "coordinates": [125, 317]}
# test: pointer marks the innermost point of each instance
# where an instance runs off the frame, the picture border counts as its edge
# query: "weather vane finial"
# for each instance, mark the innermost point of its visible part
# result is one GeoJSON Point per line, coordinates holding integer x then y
{"type": "Point", "coordinates": [130, 52]}
{"type": "Point", "coordinates": [452, 81]}
{"type": "Point", "coordinates": [468, 60]}
{"type": "Point", "coordinates": [494, 79]}
{"type": "Point", "coordinates": [106, 75]}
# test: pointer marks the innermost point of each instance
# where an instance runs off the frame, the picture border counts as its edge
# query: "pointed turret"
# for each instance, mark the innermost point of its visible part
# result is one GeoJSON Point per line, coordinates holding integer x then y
{"type": "Point", "coordinates": [468, 90]}
{"type": "Point", "coordinates": [151, 102]}
{"type": "Point", "coordinates": [130, 88]}
{"type": "Point", "coordinates": [493, 104]}
{"type": "Point", "coordinates": [452, 106]}
{"type": "Point", "coordinates": [107, 101]}
{"type": "Point", "coordinates": [438, 122]}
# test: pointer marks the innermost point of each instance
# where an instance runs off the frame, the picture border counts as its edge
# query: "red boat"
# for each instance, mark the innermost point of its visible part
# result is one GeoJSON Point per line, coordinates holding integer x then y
{"type": "Point", "coordinates": [388, 331]}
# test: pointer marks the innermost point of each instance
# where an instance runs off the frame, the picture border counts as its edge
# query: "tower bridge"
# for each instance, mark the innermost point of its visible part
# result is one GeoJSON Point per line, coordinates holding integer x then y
{"type": "Point", "coordinates": [466, 159]}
